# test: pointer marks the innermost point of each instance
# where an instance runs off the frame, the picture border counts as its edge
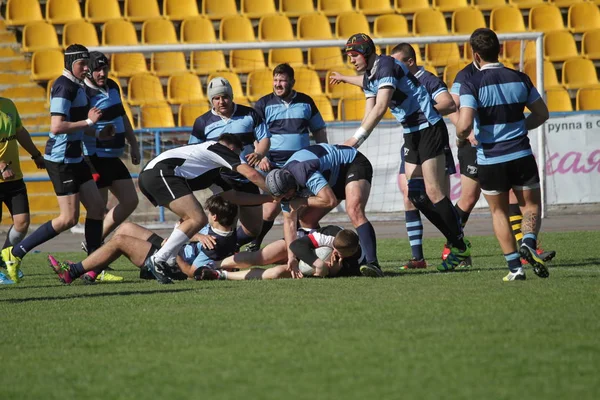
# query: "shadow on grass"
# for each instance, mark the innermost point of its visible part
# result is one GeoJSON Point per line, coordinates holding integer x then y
{"type": "Point", "coordinates": [586, 262]}
{"type": "Point", "coordinates": [76, 283]}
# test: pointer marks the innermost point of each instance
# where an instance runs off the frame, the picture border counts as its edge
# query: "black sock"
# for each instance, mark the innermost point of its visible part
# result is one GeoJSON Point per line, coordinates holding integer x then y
{"type": "Point", "coordinates": [368, 241]}
{"type": "Point", "coordinates": [266, 227]}
{"type": "Point", "coordinates": [41, 235]}
{"type": "Point", "coordinates": [516, 218]}
{"type": "Point", "coordinates": [463, 215]}
{"type": "Point", "coordinates": [93, 234]}
{"type": "Point", "coordinates": [76, 270]}
{"type": "Point", "coordinates": [450, 217]}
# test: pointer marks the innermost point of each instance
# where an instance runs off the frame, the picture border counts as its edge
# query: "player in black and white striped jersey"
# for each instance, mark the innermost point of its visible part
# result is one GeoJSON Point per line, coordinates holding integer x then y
{"type": "Point", "coordinates": [170, 179]}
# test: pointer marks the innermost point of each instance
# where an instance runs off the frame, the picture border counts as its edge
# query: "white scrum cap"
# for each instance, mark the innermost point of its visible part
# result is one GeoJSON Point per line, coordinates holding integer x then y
{"type": "Point", "coordinates": [219, 86]}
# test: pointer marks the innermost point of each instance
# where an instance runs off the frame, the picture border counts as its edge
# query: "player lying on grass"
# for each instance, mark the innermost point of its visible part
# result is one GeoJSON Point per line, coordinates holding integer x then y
{"type": "Point", "coordinates": [345, 259]}
{"type": "Point", "coordinates": [138, 244]}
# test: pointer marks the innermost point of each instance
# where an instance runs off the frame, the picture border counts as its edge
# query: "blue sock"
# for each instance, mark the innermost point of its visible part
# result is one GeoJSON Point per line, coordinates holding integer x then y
{"type": "Point", "coordinates": [266, 227]}
{"type": "Point", "coordinates": [414, 228]}
{"type": "Point", "coordinates": [41, 235]}
{"type": "Point", "coordinates": [368, 241]}
{"type": "Point", "coordinates": [530, 239]}
{"type": "Point", "coordinates": [76, 270]}
{"type": "Point", "coordinates": [242, 237]}
{"type": "Point", "coordinates": [513, 260]}
{"type": "Point", "coordinates": [93, 234]}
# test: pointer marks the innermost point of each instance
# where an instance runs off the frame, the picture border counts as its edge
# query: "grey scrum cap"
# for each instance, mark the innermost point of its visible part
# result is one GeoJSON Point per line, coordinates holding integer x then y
{"type": "Point", "coordinates": [280, 181]}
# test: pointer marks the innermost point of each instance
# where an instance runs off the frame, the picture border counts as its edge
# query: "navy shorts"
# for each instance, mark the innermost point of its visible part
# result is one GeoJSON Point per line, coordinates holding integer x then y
{"type": "Point", "coordinates": [450, 165]}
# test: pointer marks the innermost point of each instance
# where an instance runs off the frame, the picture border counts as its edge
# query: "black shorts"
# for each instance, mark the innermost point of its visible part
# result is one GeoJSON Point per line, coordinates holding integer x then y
{"type": "Point", "coordinates": [358, 169]}
{"type": "Point", "coordinates": [450, 165]}
{"type": "Point", "coordinates": [426, 144]}
{"type": "Point", "coordinates": [68, 178]}
{"type": "Point", "coordinates": [519, 174]}
{"type": "Point", "coordinates": [108, 170]}
{"type": "Point", "coordinates": [14, 195]}
{"type": "Point", "coordinates": [467, 158]}
{"type": "Point", "coordinates": [161, 186]}
{"type": "Point", "coordinates": [156, 242]}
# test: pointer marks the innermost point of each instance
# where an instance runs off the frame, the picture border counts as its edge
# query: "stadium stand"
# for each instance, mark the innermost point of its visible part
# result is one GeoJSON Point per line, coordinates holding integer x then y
{"type": "Point", "coordinates": [99, 11]}
{"type": "Point", "coordinates": [165, 64]}
{"type": "Point", "coordinates": [245, 61]}
{"type": "Point", "coordinates": [119, 32]}
{"type": "Point", "coordinates": [351, 108]}
{"type": "Point", "coordinates": [39, 36]}
{"type": "Point", "coordinates": [325, 58]}
{"type": "Point", "coordinates": [294, 57]}
{"type": "Point", "coordinates": [411, 6]}
{"type": "Point", "coordinates": [449, 5]}
{"type": "Point", "coordinates": [339, 91]}
{"type": "Point", "coordinates": [440, 54]}
{"type": "Point", "coordinates": [348, 23]}
{"type": "Point", "coordinates": [236, 28]}
{"type": "Point", "coordinates": [313, 26]}
{"type": "Point", "coordinates": [218, 9]}
{"type": "Point", "coordinates": [156, 115]}
{"type": "Point", "coordinates": [487, 5]}
{"type": "Point", "coordinates": [257, 8]}
{"type": "Point", "coordinates": [177, 10]}
{"type": "Point", "coordinates": [559, 46]}
{"type": "Point", "coordinates": [590, 44]}
{"type": "Point", "coordinates": [141, 10]}
{"type": "Point", "coordinates": [466, 20]}
{"type": "Point", "coordinates": [46, 64]}
{"type": "Point", "coordinates": [507, 19]}
{"type": "Point", "coordinates": [63, 11]}
{"type": "Point", "coordinates": [451, 70]}
{"type": "Point", "coordinates": [324, 107]}
{"type": "Point", "coordinates": [550, 76]}
{"type": "Point", "coordinates": [189, 112]}
{"type": "Point", "coordinates": [525, 3]}
{"type": "Point", "coordinates": [429, 22]}
{"type": "Point", "coordinates": [205, 62]}
{"type": "Point", "coordinates": [588, 99]}
{"type": "Point", "coordinates": [545, 18]}
{"type": "Point", "coordinates": [143, 89]}
{"type": "Point", "coordinates": [158, 31]}
{"type": "Point", "coordinates": [275, 27]}
{"type": "Point", "coordinates": [260, 83]}
{"type": "Point", "coordinates": [80, 32]}
{"type": "Point", "coordinates": [21, 12]}
{"type": "Point", "coordinates": [390, 25]}
{"type": "Point", "coordinates": [124, 65]}
{"type": "Point", "coordinates": [558, 100]}
{"type": "Point", "coordinates": [374, 7]}
{"type": "Point", "coordinates": [197, 30]}
{"type": "Point", "coordinates": [578, 73]}
{"type": "Point", "coordinates": [296, 8]}
{"type": "Point", "coordinates": [307, 81]}
{"type": "Point", "coordinates": [583, 17]}
{"type": "Point", "coordinates": [331, 8]}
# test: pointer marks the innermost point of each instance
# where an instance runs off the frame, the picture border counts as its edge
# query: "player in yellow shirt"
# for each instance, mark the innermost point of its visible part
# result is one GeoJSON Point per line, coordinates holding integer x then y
{"type": "Point", "coordinates": [13, 192]}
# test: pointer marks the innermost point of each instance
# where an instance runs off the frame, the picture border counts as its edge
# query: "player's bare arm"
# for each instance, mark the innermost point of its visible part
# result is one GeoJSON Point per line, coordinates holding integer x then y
{"type": "Point", "coordinates": [59, 124]}
{"type": "Point", "coordinates": [134, 148]}
{"type": "Point", "coordinates": [262, 147]}
{"type": "Point", "coordinates": [539, 114]}
{"type": "Point", "coordinates": [336, 78]}
{"type": "Point", "coordinates": [444, 104]}
{"type": "Point", "coordinates": [252, 175]}
{"type": "Point", "coordinates": [372, 116]}
{"type": "Point", "coordinates": [465, 122]}
{"type": "Point", "coordinates": [25, 141]}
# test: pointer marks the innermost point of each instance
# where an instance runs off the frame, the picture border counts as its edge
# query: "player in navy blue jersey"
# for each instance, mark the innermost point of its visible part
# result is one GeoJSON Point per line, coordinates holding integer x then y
{"type": "Point", "coordinates": [71, 118]}
{"type": "Point", "coordinates": [492, 103]}
{"type": "Point", "coordinates": [388, 83]}
{"type": "Point", "coordinates": [244, 122]}
{"type": "Point", "coordinates": [104, 156]}
{"type": "Point", "coordinates": [319, 177]}
{"type": "Point", "coordinates": [291, 118]}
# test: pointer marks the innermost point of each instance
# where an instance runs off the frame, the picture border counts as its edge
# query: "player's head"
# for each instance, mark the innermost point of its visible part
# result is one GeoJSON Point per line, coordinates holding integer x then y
{"type": "Point", "coordinates": [406, 54]}
{"type": "Point", "coordinates": [361, 50]}
{"type": "Point", "coordinates": [77, 58]}
{"type": "Point", "coordinates": [345, 243]}
{"type": "Point", "coordinates": [485, 45]}
{"type": "Point", "coordinates": [232, 142]}
{"type": "Point", "coordinates": [221, 211]}
{"type": "Point", "coordinates": [99, 66]}
{"type": "Point", "coordinates": [220, 95]}
{"type": "Point", "coordinates": [281, 183]}
{"type": "Point", "coordinates": [283, 80]}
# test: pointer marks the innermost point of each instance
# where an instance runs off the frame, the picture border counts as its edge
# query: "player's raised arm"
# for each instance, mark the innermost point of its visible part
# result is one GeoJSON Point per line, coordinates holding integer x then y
{"type": "Point", "coordinates": [375, 108]}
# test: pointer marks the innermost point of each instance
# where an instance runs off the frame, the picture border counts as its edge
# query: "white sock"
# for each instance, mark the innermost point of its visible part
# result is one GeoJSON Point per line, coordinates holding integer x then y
{"type": "Point", "coordinates": [15, 237]}
{"type": "Point", "coordinates": [171, 246]}
{"type": "Point", "coordinates": [223, 275]}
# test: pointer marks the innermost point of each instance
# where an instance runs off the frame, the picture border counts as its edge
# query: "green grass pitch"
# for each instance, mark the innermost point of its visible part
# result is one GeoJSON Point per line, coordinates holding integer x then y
{"type": "Point", "coordinates": [417, 335]}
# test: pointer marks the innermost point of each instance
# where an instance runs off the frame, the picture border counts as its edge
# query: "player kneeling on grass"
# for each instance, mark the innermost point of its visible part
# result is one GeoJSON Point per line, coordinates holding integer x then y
{"type": "Point", "coordinates": [138, 244]}
{"type": "Point", "coordinates": [345, 259]}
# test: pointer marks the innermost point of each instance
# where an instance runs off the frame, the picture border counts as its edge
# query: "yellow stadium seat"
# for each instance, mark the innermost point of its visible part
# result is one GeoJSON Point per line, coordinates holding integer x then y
{"type": "Point", "coordinates": [236, 29]}
{"type": "Point", "coordinates": [429, 22]}
{"type": "Point", "coordinates": [80, 32]}
{"type": "Point", "coordinates": [449, 5]}
{"type": "Point", "coordinates": [348, 23]}
{"type": "Point", "coordinates": [332, 8]}
{"type": "Point", "coordinates": [169, 63]}
{"type": "Point", "coordinates": [207, 62]}
{"type": "Point", "coordinates": [559, 46]}
{"type": "Point", "coordinates": [451, 70]}
{"type": "Point", "coordinates": [189, 112]}
{"type": "Point", "coordinates": [118, 32]}
{"type": "Point", "coordinates": [21, 12]}
{"type": "Point", "coordinates": [512, 51]}
{"type": "Point", "coordinates": [507, 19]}
{"type": "Point", "coordinates": [343, 89]}
{"type": "Point", "coordinates": [485, 5]}
{"type": "Point", "coordinates": [296, 8]}
{"type": "Point", "coordinates": [550, 77]}
{"type": "Point", "coordinates": [128, 64]}
{"type": "Point", "coordinates": [62, 11]}
{"type": "Point", "coordinates": [390, 25]}
{"type": "Point", "coordinates": [578, 73]}
{"type": "Point", "coordinates": [129, 113]}
{"type": "Point", "coordinates": [558, 100]}
{"type": "Point", "coordinates": [351, 109]}
{"type": "Point", "coordinates": [564, 3]}
{"type": "Point", "coordinates": [313, 26]}
{"type": "Point", "coordinates": [141, 10]}
{"type": "Point", "coordinates": [293, 57]}
{"type": "Point", "coordinates": [588, 99]}
{"type": "Point", "coordinates": [583, 17]}
{"type": "Point", "coordinates": [590, 44]}
{"type": "Point", "coordinates": [275, 27]}
{"type": "Point", "coordinates": [158, 31]}
{"type": "Point", "coordinates": [177, 10]}
{"type": "Point", "coordinates": [185, 88]}
{"type": "Point", "coordinates": [374, 7]}
{"type": "Point", "coordinates": [259, 84]}
{"type": "Point", "coordinates": [197, 30]}
{"type": "Point", "coordinates": [324, 106]}
{"type": "Point", "coordinates": [49, 89]}
{"type": "Point", "coordinates": [466, 20]}
{"type": "Point", "coordinates": [236, 84]}
{"type": "Point", "coordinates": [257, 8]}
{"type": "Point", "coordinates": [545, 18]}
{"type": "Point", "coordinates": [324, 58]}
{"type": "Point", "coordinates": [144, 89]}
{"type": "Point", "coordinates": [47, 64]}
{"type": "Point", "coordinates": [39, 36]}
{"type": "Point", "coordinates": [99, 11]}
{"type": "Point", "coordinates": [411, 6]}
{"type": "Point", "coordinates": [307, 81]}
{"type": "Point", "coordinates": [158, 115]}
{"type": "Point", "coordinates": [218, 9]}
{"type": "Point", "coordinates": [525, 3]}
{"type": "Point", "coordinates": [440, 54]}
{"type": "Point", "coordinates": [244, 61]}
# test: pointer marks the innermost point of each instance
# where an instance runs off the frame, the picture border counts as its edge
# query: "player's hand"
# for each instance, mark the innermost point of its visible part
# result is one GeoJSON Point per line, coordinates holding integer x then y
{"type": "Point", "coordinates": [94, 114]}
{"type": "Point", "coordinates": [335, 78]}
{"type": "Point", "coordinates": [352, 142]}
{"type": "Point", "coordinates": [208, 242]}
{"type": "Point", "coordinates": [297, 203]}
{"type": "Point", "coordinates": [292, 266]}
{"type": "Point", "coordinates": [7, 173]}
{"type": "Point", "coordinates": [253, 159]}
{"type": "Point", "coordinates": [107, 132]}
{"type": "Point", "coordinates": [135, 155]}
{"type": "Point", "coordinates": [472, 139]}
{"type": "Point", "coordinates": [39, 161]}
{"type": "Point", "coordinates": [264, 165]}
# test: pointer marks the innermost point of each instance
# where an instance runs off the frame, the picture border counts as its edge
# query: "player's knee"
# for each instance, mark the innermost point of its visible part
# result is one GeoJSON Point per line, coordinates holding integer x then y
{"type": "Point", "coordinates": [416, 192]}
{"type": "Point", "coordinates": [131, 203]}
{"type": "Point", "coordinates": [64, 222]}
{"type": "Point", "coordinates": [21, 224]}
{"type": "Point", "coordinates": [355, 212]}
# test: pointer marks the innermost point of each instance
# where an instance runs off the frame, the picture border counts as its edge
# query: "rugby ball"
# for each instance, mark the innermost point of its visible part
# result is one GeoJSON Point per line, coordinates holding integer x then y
{"type": "Point", "coordinates": [323, 252]}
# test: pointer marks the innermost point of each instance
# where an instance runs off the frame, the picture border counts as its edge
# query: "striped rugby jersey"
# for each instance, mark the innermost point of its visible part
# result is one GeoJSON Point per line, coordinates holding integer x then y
{"type": "Point", "coordinates": [198, 256]}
